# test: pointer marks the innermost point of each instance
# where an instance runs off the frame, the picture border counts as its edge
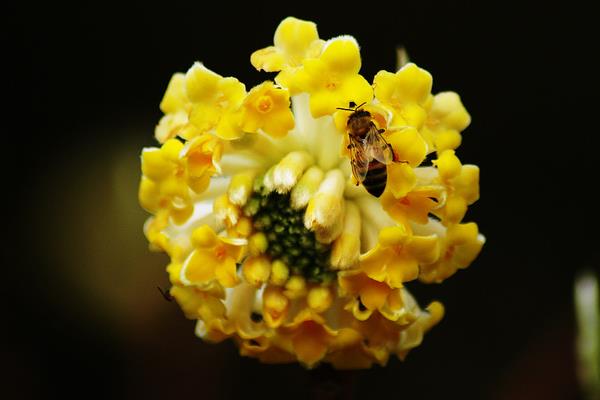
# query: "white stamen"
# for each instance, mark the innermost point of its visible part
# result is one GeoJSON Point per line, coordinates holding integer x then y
{"type": "Point", "coordinates": [289, 169]}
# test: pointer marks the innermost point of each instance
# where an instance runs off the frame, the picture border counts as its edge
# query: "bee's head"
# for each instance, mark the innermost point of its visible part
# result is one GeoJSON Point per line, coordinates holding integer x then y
{"type": "Point", "coordinates": [358, 116]}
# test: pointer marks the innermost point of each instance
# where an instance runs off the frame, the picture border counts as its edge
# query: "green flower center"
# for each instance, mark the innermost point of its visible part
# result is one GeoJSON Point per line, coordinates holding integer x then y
{"type": "Point", "coordinates": [288, 239]}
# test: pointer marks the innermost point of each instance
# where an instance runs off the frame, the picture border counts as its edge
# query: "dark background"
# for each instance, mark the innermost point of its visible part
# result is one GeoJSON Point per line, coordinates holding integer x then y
{"type": "Point", "coordinates": [83, 316]}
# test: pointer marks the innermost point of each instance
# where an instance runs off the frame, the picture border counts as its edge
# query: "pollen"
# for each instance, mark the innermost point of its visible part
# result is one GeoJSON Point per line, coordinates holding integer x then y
{"type": "Point", "coordinates": [265, 104]}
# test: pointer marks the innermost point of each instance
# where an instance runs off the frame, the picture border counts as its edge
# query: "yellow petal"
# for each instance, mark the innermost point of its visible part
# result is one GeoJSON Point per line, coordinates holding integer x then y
{"type": "Point", "coordinates": [269, 59]}
{"type": "Point", "coordinates": [413, 83]}
{"type": "Point", "coordinates": [448, 164]}
{"type": "Point", "coordinates": [462, 233]}
{"type": "Point", "coordinates": [232, 93]}
{"type": "Point", "coordinates": [175, 97]}
{"type": "Point", "coordinates": [374, 294]}
{"type": "Point", "coordinates": [401, 179]}
{"type": "Point", "coordinates": [310, 343]}
{"type": "Point", "coordinates": [394, 236]}
{"type": "Point", "coordinates": [447, 139]}
{"type": "Point", "coordinates": [408, 146]}
{"type": "Point", "coordinates": [204, 237]}
{"type": "Point", "coordinates": [279, 123]}
{"type": "Point", "coordinates": [324, 102]}
{"type": "Point", "coordinates": [154, 165]}
{"type": "Point", "coordinates": [355, 88]}
{"type": "Point", "coordinates": [199, 267]}
{"type": "Point", "coordinates": [424, 248]}
{"type": "Point", "coordinates": [342, 55]}
{"type": "Point", "coordinates": [467, 183]}
{"type": "Point", "coordinates": [295, 36]}
{"type": "Point", "coordinates": [402, 268]}
{"type": "Point", "coordinates": [374, 263]}
{"type": "Point", "coordinates": [384, 84]}
{"type": "Point", "coordinates": [201, 83]}
{"type": "Point", "coordinates": [448, 110]}
{"type": "Point", "coordinates": [226, 274]}
{"type": "Point", "coordinates": [189, 299]}
{"type": "Point", "coordinates": [228, 127]}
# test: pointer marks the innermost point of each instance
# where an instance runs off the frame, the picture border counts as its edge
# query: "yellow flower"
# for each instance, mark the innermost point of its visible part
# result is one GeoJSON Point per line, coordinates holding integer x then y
{"type": "Point", "coordinates": [460, 246]}
{"type": "Point", "coordinates": [415, 206]}
{"type": "Point", "coordinates": [267, 107]}
{"type": "Point", "coordinates": [294, 41]}
{"type": "Point", "coordinates": [176, 107]}
{"type": "Point", "coordinates": [169, 173]}
{"type": "Point", "coordinates": [462, 183]}
{"type": "Point", "coordinates": [411, 150]}
{"type": "Point", "coordinates": [213, 258]}
{"type": "Point", "coordinates": [215, 102]}
{"type": "Point", "coordinates": [271, 242]}
{"type": "Point", "coordinates": [406, 92]}
{"type": "Point", "coordinates": [332, 79]}
{"type": "Point", "coordinates": [446, 118]}
{"type": "Point", "coordinates": [367, 295]}
{"type": "Point", "coordinates": [397, 257]}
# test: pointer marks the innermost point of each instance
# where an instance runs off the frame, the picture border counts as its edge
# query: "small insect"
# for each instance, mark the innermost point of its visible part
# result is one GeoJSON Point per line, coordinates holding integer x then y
{"type": "Point", "coordinates": [370, 152]}
{"type": "Point", "coordinates": [165, 293]}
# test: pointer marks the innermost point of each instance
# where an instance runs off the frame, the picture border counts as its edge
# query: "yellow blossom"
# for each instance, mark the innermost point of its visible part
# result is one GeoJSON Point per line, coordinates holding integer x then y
{"type": "Point", "coordinates": [446, 118]}
{"type": "Point", "coordinates": [215, 102]}
{"type": "Point", "coordinates": [332, 79]}
{"type": "Point", "coordinates": [271, 242]}
{"type": "Point", "coordinates": [367, 295]}
{"type": "Point", "coordinates": [213, 258]}
{"type": "Point", "coordinates": [409, 151]}
{"type": "Point", "coordinates": [310, 337]}
{"type": "Point", "coordinates": [176, 106]}
{"type": "Point", "coordinates": [406, 92]}
{"type": "Point", "coordinates": [267, 107]}
{"type": "Point", "coordinates": [415, 206]}
{"type": "Point", "coordinates": [169, 173]}
{"type": "Point", "coordinates": [294, 41]}
{"type": "Point", "coordinates": [462, 183]}
{"type": "Point", "coordinates": [397, 257]}
{"type": "Point", "coordinates": [459, 247]}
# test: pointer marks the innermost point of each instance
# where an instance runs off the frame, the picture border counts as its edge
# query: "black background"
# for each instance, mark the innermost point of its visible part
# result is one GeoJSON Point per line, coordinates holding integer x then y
{"type": "Point", "coordinates": [83, 316]}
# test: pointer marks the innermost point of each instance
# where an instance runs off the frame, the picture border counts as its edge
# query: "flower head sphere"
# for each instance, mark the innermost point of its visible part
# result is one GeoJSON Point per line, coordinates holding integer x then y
{"type": "Point", "coordinates": [272, 243]}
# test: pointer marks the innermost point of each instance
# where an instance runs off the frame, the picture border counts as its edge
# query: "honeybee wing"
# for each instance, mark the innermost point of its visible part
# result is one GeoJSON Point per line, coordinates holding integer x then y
{"type": "Point", "coordinates": [359, 160]}
{"type": "Point", "coordinates": [377, 147]}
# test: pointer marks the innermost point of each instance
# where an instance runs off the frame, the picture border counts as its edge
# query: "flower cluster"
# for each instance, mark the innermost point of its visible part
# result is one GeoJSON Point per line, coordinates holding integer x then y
{"type": "Point", "coordinates": [271, 241]}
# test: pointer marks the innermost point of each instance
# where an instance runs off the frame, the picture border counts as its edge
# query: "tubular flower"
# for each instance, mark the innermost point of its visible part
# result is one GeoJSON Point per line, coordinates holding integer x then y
{"type": "Point", "coordinates": [406, 93]}
{"type": "Point", "coordinates": [272, 242]}
{"type": "Point", "coordinates": [215, 102]}
{"type": "Point", "coordinates": [332, 78]}
{"type": "Point", "coordinates": [294, 41]}
{"type": "Point", "coordinates": [446, 119]}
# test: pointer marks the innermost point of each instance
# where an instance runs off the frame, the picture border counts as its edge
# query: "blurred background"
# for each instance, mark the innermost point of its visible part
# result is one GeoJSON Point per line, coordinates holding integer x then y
{"type": "Point", "coordinates": [83, 315]}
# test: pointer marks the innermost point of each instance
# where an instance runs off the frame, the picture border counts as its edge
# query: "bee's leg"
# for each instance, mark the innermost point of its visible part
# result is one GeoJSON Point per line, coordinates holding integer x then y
{"type": "Point", "coordinates": [351, 145]}
{"type": "Point", "coordinates": [353, 165]}
{"type": "Point", "coordinates": [165, 294]}
{"type": "Point", "coordinates": [396, 159]}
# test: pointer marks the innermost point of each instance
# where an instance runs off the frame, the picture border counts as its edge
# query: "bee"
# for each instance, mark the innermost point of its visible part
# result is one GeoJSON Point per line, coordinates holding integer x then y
{"type": "Point", "coordinates": [370, 152]}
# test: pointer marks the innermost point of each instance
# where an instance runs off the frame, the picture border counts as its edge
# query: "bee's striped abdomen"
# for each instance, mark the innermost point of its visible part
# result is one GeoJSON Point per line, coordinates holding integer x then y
{"type": "Point", "coordinates": [376, 178]}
